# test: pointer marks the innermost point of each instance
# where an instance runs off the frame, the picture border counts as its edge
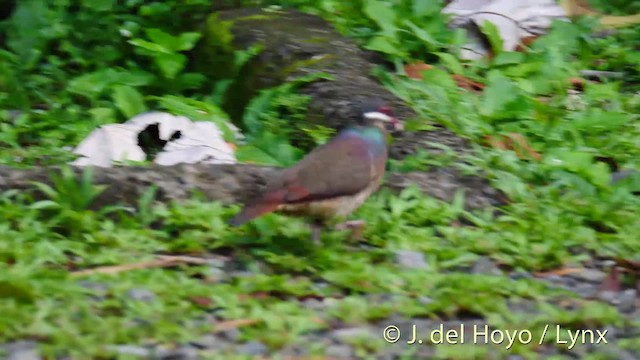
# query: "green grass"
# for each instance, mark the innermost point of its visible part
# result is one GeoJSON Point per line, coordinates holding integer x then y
{"type": "Point", "coordinates": [63, 73]}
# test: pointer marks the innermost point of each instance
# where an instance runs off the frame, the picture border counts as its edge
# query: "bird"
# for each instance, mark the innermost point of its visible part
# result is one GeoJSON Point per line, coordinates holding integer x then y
{"type": "Point", "coordinates": [335, 178]}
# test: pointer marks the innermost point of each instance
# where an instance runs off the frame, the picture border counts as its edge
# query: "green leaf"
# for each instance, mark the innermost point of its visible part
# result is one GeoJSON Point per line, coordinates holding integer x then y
{"type": "Point", "coordinates": [148, 45]}
{"type": "Point", "coordinates": [128, 100]}
{"type": "Point", "coordinates": [384, 45]}
{"type": "Point", "coordinates": [508, 58]}
{"type": "Point", "coordinates": [252, 154]}
{"type": "Point", "coordinates": [499, 92]}
{"type": "Point", "coordinates": [382, 15]}
{"type": "Point", "coordinates": [98, 5]}
{"type": "Point", "coordinates": [170, 64]}
{"type": "Point", "coordinates": [167, 41]}
{"type": "Point", "coordinates": [186, 41]}
{"type": "Point", "coordinates": [20, 292]}
{"type": "Point", "coordinates": [423, 35]}
{"type": "Point", "coordinates": [451, 62]}
{"type": "Point", "coordinates": [493, 35]}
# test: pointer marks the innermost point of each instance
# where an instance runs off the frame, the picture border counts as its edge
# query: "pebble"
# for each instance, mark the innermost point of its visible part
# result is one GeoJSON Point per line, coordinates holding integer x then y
{"type": "Point", "coordinates": [232, 335]}
{"type": "Point", "coordinates": [131, 350]}
{"type": "Point", "coordinates": [609, 296]}
{"type": "Point", "coordinates": [141, 295]}
{"type": "Point", "coordinates": [586, 290]}
{"type": "Point", "coordinates": [22, 350]}
{"type": "Point", "coordinates": [339, 351]}
{"type": "Point", "coordinates": [484, 265]}
{"type": "Point", "coordinates": [590, 275]}
{"type": "Point", "coordinates": [209, 342]}
{"type": "Point", "coordinates": [344, 335]}
{"type": "Point", "coordinates": [181, 353]}
{"type": "Point", "coordinates": [628, 300]}
{"type": "Point", "coordinates": [254, 348]}
{"type": "Point", "coordinates": [314, 304]}
{"type": "Point", "coordinates": [410, 259]}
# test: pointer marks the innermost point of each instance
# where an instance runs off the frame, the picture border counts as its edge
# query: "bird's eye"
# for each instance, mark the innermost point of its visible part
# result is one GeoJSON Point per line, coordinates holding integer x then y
{"type": "Point", "coordinates": [385, 110]}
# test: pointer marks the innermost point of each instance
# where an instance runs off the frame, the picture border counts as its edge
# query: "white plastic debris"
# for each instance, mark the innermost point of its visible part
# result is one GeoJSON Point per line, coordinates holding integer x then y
{"type": "Point", "coordinates": [514, 19]}
{"type": "Point", "coordinates": [198, 142]}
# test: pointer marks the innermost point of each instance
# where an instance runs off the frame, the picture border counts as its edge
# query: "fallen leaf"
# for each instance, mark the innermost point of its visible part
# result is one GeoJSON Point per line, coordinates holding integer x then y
{"type": "Point", "coordinates": [415, 70]}
{"type": "Point", "coordinates": [201, 301]}
{"type": "Point", "coordinates": [515, 142]}
{"type": "Point", "coordinates": [234, 324]}
{"type": "Point", "coordinates": [559, 272]}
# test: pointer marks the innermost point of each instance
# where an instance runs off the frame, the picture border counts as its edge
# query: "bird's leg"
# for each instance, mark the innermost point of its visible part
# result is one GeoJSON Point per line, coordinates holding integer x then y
{"type": "Point", "coordinates": [356, 227]}
{"type": "Point", "coordinates": [316, 231]}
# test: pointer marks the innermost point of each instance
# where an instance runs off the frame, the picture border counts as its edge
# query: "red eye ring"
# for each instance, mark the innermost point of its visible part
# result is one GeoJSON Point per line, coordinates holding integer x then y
{"type": "Point", "coordinates": [385, 109]}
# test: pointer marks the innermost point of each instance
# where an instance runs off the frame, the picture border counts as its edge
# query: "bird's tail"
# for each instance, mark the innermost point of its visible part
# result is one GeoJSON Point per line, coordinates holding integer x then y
{"type": "Point", "coordinates": [251, 212]}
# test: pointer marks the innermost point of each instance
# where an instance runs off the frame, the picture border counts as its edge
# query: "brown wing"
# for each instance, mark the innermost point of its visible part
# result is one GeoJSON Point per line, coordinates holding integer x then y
{"type": "Point", "coordinates": [342, 167]}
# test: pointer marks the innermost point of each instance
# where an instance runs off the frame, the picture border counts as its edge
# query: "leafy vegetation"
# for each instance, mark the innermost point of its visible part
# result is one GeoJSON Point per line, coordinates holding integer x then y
{"type": "Point", "coordinates": [68, 68]}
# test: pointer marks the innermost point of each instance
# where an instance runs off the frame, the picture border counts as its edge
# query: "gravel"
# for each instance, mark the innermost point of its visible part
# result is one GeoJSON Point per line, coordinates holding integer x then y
{"type": "Point", "coordinates": [22, 350]}
{"type": "Point", "coordinates": [143, 295]}
{"type": "Point", "coordinates": [254, 348]}
{"type": "Point", "coordinates": [410, 259]}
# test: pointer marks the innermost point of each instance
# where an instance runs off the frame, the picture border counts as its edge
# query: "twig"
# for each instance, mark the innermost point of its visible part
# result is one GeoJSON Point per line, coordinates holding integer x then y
{"type": "Point", "coordinates": [160, 261]}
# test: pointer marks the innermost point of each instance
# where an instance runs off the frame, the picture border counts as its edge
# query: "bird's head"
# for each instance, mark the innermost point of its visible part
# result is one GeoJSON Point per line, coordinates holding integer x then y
{"type": "Point", "coordinates": [378, 113]}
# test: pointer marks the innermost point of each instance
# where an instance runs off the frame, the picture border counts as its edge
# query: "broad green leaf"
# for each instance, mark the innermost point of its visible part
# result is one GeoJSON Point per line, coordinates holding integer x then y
{"type": "Point", "coordinates": [508, 58]}
{"type": "Point", "coordinates": [186, 41]}
{"type": "Point", "coordinates": [381, 14]}
{"type": "Point", "coordinates": [491, 31]}
{"type": "Point", "coordinates": [170, 64]}
{"type": "Point", "coordinates": [128, 100]}
{"type": "Point", "coordinates": [254, 155]}
{"type": "Point", "coordinates": [98, 5]}
{"type": "Point", "coordinates": [499, 92]}
{"type": "Point", "coordinates": [148, 45]}
{"type": "Point", "coordinates": [163, 39]}
{"type": "Point", "coordinates": [451, 62]}
{"type": "Point", "coordinates": [384, 45]}
{"type": "Point", "coordinates": [422, 34]}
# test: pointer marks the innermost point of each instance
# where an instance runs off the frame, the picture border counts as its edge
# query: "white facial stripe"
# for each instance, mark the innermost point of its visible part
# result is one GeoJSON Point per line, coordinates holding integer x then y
{"type": "Point", "coordinates": [376, 115]}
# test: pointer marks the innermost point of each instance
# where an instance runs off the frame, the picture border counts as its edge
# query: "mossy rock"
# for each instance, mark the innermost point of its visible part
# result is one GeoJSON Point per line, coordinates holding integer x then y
{"type": "Point", "coordinates": [296, 44]}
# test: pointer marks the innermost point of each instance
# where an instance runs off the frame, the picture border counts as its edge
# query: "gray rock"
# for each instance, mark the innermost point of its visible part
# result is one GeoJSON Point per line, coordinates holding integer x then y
{"type": "Point", "coordinates": [181, 353]}
{"type": "Point", "coordinates": [22, 350]}
{"type": "Point", "coordinates": [98, 289]}
{"type": "Point", "coordinates": [609, 296]}
{"type": "Point", "coordinates": [253, 348]}
{"type": "Point", "coordinates": [130, 350]}
{"type": "Point", "coordinates": [517, 275]}
{"type": "Point", "coordinates": [232, 335]}
{"type": "Point", "coordinates": [590, 275]}
{"type": "Point", "coordinates": [586, 290]}
{"type": "Point", "coordinates": [628, 300]}
{"type": "Point", "coordinates": [484, 265]}
{"type": "Point", "coordinates": [410, 259]}
{"type": "Point", "coordinates": [141, 295]}
{"type": "Point", "coordinates": [314, 304]}
{"type": "Point", "coordinates": [345, 335]}
{"type": "Point", "coordinates": [209, 342]}
{"type": "Point", "coordinates": [424, 300]}
{"type": "Point", "coordinates": [339, 351]}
